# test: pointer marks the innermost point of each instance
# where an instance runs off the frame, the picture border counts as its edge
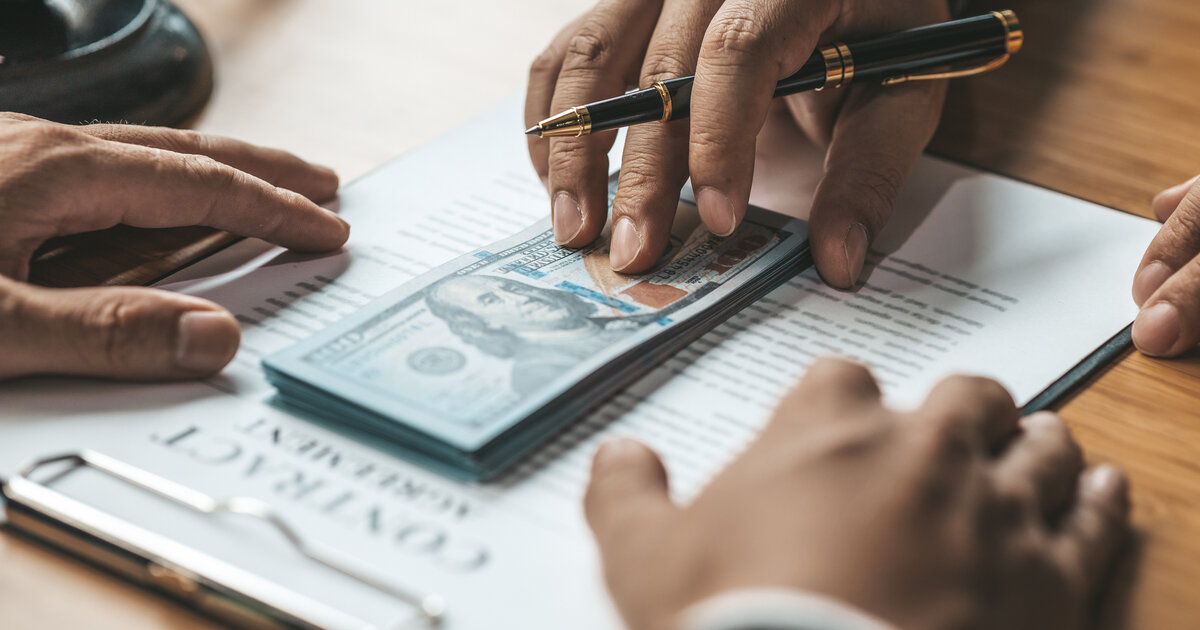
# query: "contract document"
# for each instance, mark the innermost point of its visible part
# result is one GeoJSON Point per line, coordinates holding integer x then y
{"type": "Point", "coordinates": [975, 273]}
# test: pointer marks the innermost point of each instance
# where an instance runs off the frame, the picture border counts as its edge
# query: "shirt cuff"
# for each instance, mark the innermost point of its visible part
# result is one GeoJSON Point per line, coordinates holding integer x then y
{"type": "Point", "coordinates": [776, 609]}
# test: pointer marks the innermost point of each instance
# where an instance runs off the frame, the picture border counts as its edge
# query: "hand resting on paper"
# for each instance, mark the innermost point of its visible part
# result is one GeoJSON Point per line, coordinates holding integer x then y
{"type": "Point", "coordinates": [737, 51]}
{"type": "Point", "coordinates": [956, 515]}
{"type": "Point", "coordinates": [57, 180]}
{"type": "Point", "coordinates": [1167, 285]}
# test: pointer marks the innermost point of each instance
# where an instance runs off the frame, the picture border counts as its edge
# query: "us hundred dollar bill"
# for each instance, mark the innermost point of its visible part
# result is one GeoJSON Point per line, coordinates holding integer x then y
{"type": "Point", "coordinates": [479, 343]}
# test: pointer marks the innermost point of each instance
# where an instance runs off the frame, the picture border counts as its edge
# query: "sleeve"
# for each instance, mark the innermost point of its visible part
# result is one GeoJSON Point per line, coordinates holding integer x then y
{"type": "Point", "coordinates": [776, 609]}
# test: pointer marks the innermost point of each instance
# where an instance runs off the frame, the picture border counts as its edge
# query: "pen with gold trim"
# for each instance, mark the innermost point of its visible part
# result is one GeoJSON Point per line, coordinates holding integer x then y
{"type": "Point", "coordinates": [951, 49]}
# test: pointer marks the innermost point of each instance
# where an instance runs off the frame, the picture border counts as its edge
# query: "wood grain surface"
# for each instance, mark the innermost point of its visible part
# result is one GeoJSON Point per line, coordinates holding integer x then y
{"type": "Point", "coordinates": [1102, 104]}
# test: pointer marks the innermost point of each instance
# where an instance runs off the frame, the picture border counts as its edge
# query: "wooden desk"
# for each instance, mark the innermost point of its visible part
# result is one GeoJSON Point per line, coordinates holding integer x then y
{"type": "Point", "coordinates": [1102, 104]}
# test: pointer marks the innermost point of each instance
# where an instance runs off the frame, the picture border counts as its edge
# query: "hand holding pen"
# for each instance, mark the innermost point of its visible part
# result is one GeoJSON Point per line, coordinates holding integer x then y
{"type": "Point", "coordinates": [738, 50]}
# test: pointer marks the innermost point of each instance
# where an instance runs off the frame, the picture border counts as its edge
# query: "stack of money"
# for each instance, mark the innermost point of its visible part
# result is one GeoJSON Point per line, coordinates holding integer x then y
{"type": "Point", "coordinates": [474, 364]}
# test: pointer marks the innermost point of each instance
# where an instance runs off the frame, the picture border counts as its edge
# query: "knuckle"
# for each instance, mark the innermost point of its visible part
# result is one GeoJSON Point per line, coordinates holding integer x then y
{"type": "Point", "coordinates": [217, 177]}
{"type": "Point", "coordinates": [669, 63]}
{"type": "Point", "coordinates": [16, 117]}
{"type": "Point", "coordinates": [980, 391]}
{"type": "Point", "coordinates": [1058, 443]}
{"type": "Point", "coordinates": [638, 175]}
{"type": "Point", "coordinates": [202, 166]}
{"type": "Point", "coordinates": [708, 140]}
{"type": "Point", "coordinates": [944, 438]}
{"type": "Point", "coordinates": [849, 441]}
{"type": "Point", "coordinates": [735, 36]}
{"type": "Point", "coordinates": [1009, 505]}
{"type": "Point", "coordinates": [588, 49]}
{"type": "Point", "coordinates": [185, 141]}
{"type": "Point", "coordinates": [637, 187]}
{"type": "Point", "coordinates": [48, 133]}
{"type": "Point", "coordinates": [879, 187]}
{"type": "Point", "coordinates": [49, 147]}
{"type": "Point", "coordinates": [1184, 224]}
{"type": "Point", "coordinates": [112, 322]}
{"type": "Point", "coordinates": [567, 155]}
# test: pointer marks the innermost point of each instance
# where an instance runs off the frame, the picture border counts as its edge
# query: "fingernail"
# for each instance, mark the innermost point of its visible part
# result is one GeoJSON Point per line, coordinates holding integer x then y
{"type": "Point", "coordinates": [856, 251]}
{"type": "Point", "coordinates": [1147, 281]}
{"type": "Point", "coordinates": [625, 244]}
{"type": "Point", "coordinates": [1157, 329]}
{"type": "Point", "coordinates": [1106, 479]}
{"type": "Point", "coordinates": [345, 223]}
{"type": "Point", "coordinates": [716, 211]}
{"type": "Point", "coordinates": [206, 341]}
{"type": "Point", "coordinates": [567, 217]}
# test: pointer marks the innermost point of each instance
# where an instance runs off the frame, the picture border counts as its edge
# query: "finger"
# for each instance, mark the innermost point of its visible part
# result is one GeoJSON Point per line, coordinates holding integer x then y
{"type": "Point", "coordinates": [815, 113]}
{"type": "Point", "coordinates": [1171, 249]}
{"type": "Point", "coordinates": [878, 136]}
{"type": "Point", "coordinates": [602, 57]}
{"type": "Point", "coordinates": [126, 333]}
{"type": "Point", "coordinates": [278, 168]}
{"type": "Point", "coordinates": [1093, 531]}
{"type": "Point", "coordinates": [628, 490]}
{"type": "Point", "coordinates": [543, 74]}
{"type": "Point", "coordinates": [973, 410]}
{"type": "Point", "coordinates": [1169, 324]}
{"type": "Point", "coordinates": [654, 165]}
{"type": "Point", "coordinates": [1043, 459]}
{"type": "Point", "coordinates": [1168, 200]}
{"type": "Point", "coordinates": [747, 48]}
{"type": "Point", "coordinates": [114, 183]}
{"type": "Point", "coordinates": [829, 386]}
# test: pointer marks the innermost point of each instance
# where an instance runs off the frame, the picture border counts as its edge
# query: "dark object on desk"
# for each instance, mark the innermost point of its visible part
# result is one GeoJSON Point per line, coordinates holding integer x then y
{"type": "Point", "coordinates": [958, 48]}
{"type": "Point", "coordinates": [74, 61]}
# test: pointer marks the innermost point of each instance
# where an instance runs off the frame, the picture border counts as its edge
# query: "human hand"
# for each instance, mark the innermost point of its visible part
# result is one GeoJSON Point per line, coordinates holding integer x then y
{"type": "Point", "coordinates": [58, 179]}
{"type": "Point", "coordinates": [738, 50]}
{"type": "Point", "coordinates": [1167, 284]}
{"type": "Point", "coordinates": [956, 515]}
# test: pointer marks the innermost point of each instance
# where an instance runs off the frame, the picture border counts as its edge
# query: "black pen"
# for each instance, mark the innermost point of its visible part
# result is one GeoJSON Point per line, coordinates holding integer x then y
{"type": "Point", "coordinates": [948, 50]}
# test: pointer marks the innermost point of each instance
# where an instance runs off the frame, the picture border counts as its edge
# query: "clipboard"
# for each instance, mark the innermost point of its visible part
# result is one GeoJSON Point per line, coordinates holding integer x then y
{"type": "Point", "coordinates": [217, 588]}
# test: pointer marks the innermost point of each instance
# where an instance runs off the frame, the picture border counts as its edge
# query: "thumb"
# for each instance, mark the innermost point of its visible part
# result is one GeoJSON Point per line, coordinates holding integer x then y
{"type": "Point", "coordinates": [129, 333]}
{"type": "Point", "coordinates": [878, 136]}
{"type": "Point", "coordinates": [628, 488]}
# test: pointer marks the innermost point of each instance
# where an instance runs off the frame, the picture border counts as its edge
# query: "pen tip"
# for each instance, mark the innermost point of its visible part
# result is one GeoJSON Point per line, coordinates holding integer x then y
{"type": "Point", "coordinates": [535, 130]}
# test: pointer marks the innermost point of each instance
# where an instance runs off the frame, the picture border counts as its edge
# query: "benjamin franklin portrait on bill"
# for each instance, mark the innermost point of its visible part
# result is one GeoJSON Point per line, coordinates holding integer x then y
{"type": "Point", "coordinates": [545, 331]}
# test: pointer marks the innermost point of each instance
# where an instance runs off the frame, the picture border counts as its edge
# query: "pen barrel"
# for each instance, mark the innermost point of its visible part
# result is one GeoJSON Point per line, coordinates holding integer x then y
{"type": "Point", "coordinates": [969, 40]}
{"type": "Point", "coordinates": [929, 47]}
{"type": "Point", "coordinates": [633, 108]}
{"type": "Point", "coordinates": [966, 42]}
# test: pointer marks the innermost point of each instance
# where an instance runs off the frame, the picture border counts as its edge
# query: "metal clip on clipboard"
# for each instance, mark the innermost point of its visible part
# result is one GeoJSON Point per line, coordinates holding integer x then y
{"type": "Point", "coordinates": [212, 585]}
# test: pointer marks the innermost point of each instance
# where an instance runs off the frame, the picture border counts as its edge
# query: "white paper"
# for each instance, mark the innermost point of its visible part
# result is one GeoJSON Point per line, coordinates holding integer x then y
{"type": "Point", "coordinates": [986, 275]}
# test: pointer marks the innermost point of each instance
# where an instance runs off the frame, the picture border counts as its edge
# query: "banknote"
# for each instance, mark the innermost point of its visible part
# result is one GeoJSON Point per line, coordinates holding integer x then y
{"type": "Point", "coordinates": [469, 351]}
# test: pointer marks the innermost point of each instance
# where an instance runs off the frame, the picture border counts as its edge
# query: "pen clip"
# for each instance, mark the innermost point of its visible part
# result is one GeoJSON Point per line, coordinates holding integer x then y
{"type": "Point", "coordinates": [1014, 40]}
{"type": "Point", "coordinates": [950, 73]}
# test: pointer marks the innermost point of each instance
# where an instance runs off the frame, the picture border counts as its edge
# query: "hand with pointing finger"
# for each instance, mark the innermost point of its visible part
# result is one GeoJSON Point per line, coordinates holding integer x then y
{"type": "Point", "coordinates": [737, 49]}
{"type": "Point", "coordinates": [1167, 285]}
{"type": "Point", "coordinates": [58, 179]}
{"type": "Point", "coordinates": [958, 514]}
